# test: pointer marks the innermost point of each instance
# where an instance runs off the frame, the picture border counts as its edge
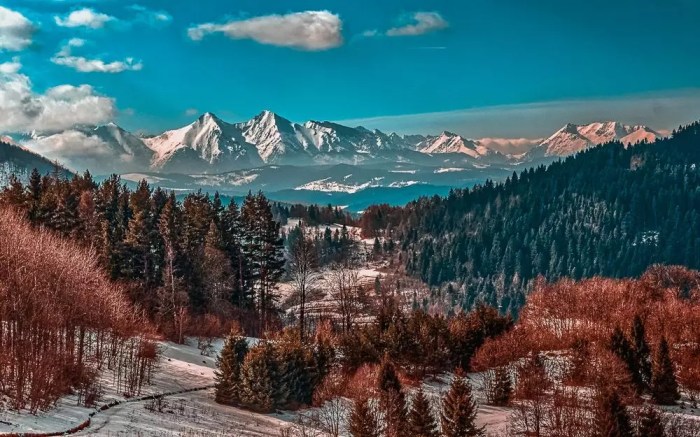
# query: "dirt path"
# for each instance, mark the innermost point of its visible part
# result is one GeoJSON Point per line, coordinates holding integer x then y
{"type": "Point", "coordinates": [105, 411]}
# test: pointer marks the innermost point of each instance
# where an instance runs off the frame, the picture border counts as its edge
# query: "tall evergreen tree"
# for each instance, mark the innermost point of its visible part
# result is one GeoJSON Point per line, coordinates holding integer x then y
{"type": "Point", "coordinates": [641, 350]}
{"type": "Point", "coordinates": [363, 420]}
{"type": "Point", "coordinates": [227, 374]}
{"type": "Point", "coordinates": [611, 418]}
{"type": "Point", "coordinates": [664, 387]}
{"type": "Point", "coordinates": [620, 346]}
{"type": "Point", "coordinates": [459, 411]}
{"type": "Point", "coordinates": [421, 422]}
{"type": "Point", "coordinates": [259, 380]}
{"type": "Point", "coordinates": [392, 399]}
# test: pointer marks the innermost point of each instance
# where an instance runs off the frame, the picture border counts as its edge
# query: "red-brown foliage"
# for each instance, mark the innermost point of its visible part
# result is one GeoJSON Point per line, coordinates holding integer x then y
{"type": "Point", "coordinates": [62, 320]}
{"type": "Point", "coordinates": [563, 315]}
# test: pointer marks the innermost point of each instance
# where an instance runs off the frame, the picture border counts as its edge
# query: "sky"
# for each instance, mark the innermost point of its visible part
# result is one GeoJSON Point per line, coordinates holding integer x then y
{"type": "Point", "coordinates": [481, 68]}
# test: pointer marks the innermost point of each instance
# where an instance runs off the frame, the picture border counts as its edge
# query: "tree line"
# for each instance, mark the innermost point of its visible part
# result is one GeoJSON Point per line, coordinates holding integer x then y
{"type": "Point", "coordinates": [609, 211]}
{"type": "Point", "coordinates": [179, 259]}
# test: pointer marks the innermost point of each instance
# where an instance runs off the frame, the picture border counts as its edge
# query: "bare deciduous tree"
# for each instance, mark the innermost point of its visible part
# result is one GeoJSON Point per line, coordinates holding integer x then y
{"type": "Point", "coordinates": [302, 267]}
{"type": "Point", "coordinates": [343, 282]}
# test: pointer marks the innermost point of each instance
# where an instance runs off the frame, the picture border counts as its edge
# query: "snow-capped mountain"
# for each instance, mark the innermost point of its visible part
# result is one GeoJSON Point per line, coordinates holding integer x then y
{"type": "Point", "coordinates": [207, 144]}
{"type": "Point", "coordinates": [210, 145]}
{"type": "Point", "coordinates": [448, 142]}
{"type": "Point", "coordinates": [271, 139]}
{"type": "Point", "coordinates": [574, 138]}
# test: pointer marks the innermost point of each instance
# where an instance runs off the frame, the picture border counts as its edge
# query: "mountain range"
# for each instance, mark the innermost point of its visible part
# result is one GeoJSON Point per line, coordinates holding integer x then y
{"type": "Point", "coordinates": [210, 145]}
{"type": "Point", "coordinates": [317, 161]}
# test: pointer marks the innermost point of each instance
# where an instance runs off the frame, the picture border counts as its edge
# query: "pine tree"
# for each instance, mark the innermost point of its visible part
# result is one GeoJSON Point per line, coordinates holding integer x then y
{"type": "Point", "coordinates": [641, 350]}
{"type": "Point", "coordinates": [459, 410]}
{"type": "Point", "coordinates": [393, 404]}
{"type": "Point", "coordinates": [392, 399]}
{"type": "Point", "coordinates": [421, 422]}
{"type": "Point", "coordinates": [651, 423]}
{"type": "Point", "coordinates": [34, 198]}
{"type": "Point", "coordinates": [664, 387]}
{"type": "Point", "coordinates": [227, 374]}
{"type": "Point", "coordinates": [502, 389]}
{"type": "Point", "coordinates": [363, 420]}
{"type": "Point", "coordinates": [621, 347]}
{"type": "Point", "coordinates": [611, 418]}
{"type": "Point", "coordinates": [258, 384]}
{"type": "Point", "coordinates": [387, 379]}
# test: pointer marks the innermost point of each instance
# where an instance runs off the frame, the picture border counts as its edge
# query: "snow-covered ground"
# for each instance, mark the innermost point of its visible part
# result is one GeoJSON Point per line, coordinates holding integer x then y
{"type": "Point", "coordinates": [193, 413]}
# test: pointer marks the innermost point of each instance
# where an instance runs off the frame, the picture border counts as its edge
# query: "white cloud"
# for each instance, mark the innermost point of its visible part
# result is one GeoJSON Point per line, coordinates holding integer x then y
{"type": "Point", "coordinates": [86, 17]}
{"type": "Point", "coordinates": [151, 17]}
{"type": "Point", "coordinates": [60, 107]}
{"type": "Point", "coordinates": [191, 112]}
{"type": "Point", "coordinates": [310, 30]}
{"type": "Point", "coordinates": [77, 151]}
{"type": "Point", "coordinates": [16, 30]}
{"type": "Point", "coordinates": [10, 67]}
{"type": "Point", "coordinates": [69, 144]}
{"type": "Point", "coordinates": [66, 58]}
{"type": "Point", "coordinates": [423, 22]}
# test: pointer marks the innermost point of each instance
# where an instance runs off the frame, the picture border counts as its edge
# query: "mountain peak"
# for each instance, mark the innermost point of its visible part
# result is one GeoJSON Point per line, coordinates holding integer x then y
{"type": "Point", "coordinates": [207, 116]}
{"type": "Point", "coordinates": [573, 138]}
{"type": "Point", "coordinates": [447, 133]}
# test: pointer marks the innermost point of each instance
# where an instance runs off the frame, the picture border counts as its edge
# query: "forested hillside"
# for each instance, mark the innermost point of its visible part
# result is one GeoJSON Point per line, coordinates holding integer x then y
{"type": "Point", "coordinates": [610, 211]}
{"type": "Point", "coordinates": [17, 161]}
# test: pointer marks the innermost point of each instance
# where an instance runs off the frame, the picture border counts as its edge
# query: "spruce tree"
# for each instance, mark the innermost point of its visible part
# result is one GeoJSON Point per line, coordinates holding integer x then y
{"type": "Point", "coordinates": [459, 411]}
{"type": "Point", "coordinates": [363, 420]}
{"type": "Point", "coordinates": [641, 350]}
{"type": "Point", "coordinates": [664, 387]}
{"type": "Point", "coordinates": [621, 347]}
{"type": "Point", "coordinates": [651, 423]}
{"type": "Point", "coordinates": [502, 389]}
{"type": "Point", "coordinates": [258, 391]}
{"type": "Point", "coordinates": [421, 422]}
{"type": "Point", "coordinates": [392, 399]}
{"type": "Point", "coordinates": [611, 418]}
{"type": "Point", "coordinates": [228, 370]}
{"type": "Point", "coordinates": [387, 379]}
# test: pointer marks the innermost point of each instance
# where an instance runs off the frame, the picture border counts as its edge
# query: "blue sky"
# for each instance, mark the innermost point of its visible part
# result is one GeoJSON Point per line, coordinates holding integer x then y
{"type": "Point", "coordinates": [479, 67]}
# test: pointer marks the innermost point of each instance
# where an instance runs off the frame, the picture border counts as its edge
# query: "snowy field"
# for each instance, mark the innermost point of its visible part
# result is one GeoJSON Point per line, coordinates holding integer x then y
{"type": "Point", "coordinates": [192, 413]}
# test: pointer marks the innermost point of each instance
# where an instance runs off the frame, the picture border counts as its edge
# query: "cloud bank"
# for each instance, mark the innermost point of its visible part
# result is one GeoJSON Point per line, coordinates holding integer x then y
{"type": "Point", "coordinates": [310, 30]}
{"type": "Point", "coordinates": [16, 30]}
{"type": "Point", "coordinates": [58, 108]}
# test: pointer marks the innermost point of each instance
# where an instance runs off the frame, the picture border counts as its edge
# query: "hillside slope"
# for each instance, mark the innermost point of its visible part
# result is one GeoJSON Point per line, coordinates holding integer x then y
{"type": "Point", "coordinates": [608, 211]}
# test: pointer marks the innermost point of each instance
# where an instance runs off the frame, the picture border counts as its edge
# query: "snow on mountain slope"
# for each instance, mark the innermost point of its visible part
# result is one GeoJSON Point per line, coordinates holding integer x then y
{"type": "Point", "coordinates": [574, 138]}
{"type": "Point", "coordinates": [208, 143]}
{"type": "Point", "coordinates": [448, 142]}
{"type": "Point", "coordinates": [270, 138]}
{"type": "Point", "coordinates": [211, 146]}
